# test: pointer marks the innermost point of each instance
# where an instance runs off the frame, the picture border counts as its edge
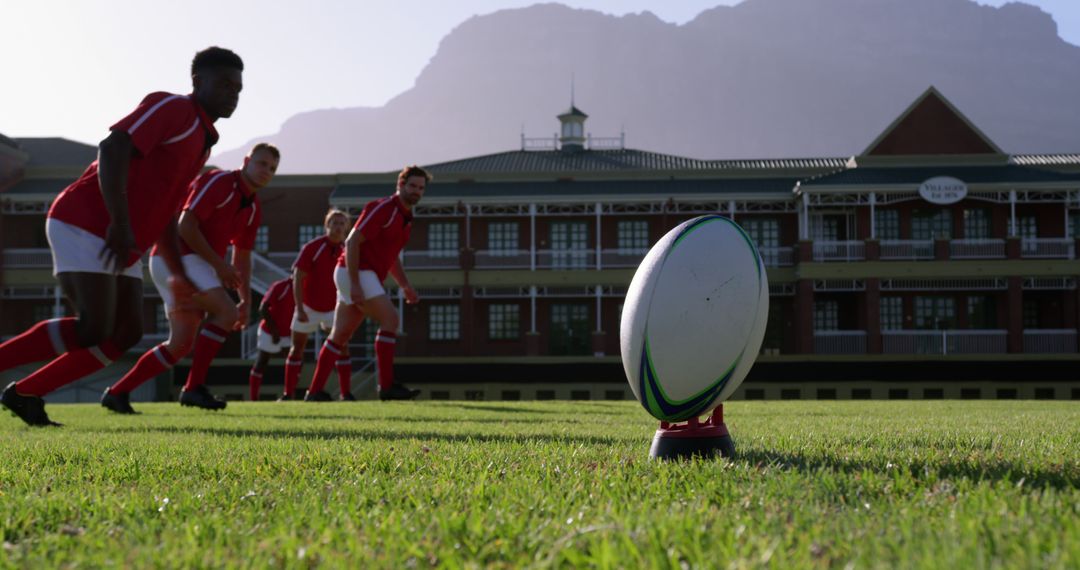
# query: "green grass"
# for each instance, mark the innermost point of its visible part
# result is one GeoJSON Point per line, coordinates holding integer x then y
{"type": "Point", "coordinates": [467, 484]}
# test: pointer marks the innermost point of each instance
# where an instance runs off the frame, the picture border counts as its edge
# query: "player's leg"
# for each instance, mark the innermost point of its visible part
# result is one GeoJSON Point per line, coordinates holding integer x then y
{"type": "Point", "coordinates": [347, 318]}
{"type": "Point", "coordinates": [382, 309]}
{"type": "Point", "coordinates": [294, 361]}
{"type": "Point", "coordinates": [344, 370]}
{"type": "Point", "coordinates": [255, 378]}
{"type": "Point", "coordinates": [215, 331]}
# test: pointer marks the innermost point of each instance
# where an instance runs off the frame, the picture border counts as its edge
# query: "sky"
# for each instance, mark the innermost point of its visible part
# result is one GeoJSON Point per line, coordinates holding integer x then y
{"type": "Point", "coordinates": [73, 67]}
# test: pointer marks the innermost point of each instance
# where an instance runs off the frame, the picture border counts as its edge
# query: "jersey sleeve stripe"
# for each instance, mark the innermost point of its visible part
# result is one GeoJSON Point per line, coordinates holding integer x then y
{"type": "Point", "coordinates": [183, 135]}
{"type": "Point", "coordinates": [152, 110]}
{"type": "Point", "coordinates": [372, 214]}
{"type": "Point", "coordinates": [206, 187]}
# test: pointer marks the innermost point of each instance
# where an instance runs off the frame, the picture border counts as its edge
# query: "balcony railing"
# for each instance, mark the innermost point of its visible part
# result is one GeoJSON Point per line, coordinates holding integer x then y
{"type": "Point", "coordinates": [777, 256]}
{"type": "Point", "coordinates": [1050, 341]}
{"type": "Point", "coordinates": [431, 259]}
{"type": "Point", "coordinates": [1048, 248]}
{"type": "Point", "coordinates": [621, 258]}
{"type": "Point", "coordinates": [907, 249]}
{"type": "Point", "coordinates": [977, 249]}
{"type": "Point", "coordinates": [839, 251]}
{"type": "Point", "coordinates": [503, 259]}
{"type": "Point", "coordinates": [944, 342]}
{"type": "Point", "coordinates": [283, 259]}
{"type": "Point", "coordinates": [839, 342]}
{"type": "Point", "coordinates": [37, 258]}
{"type": "Point", "coordinates": [565, 259]}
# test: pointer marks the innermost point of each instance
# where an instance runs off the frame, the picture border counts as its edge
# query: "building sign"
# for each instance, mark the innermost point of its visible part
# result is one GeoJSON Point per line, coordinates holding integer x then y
{"type": "Point", "coordinates": [943, 190]}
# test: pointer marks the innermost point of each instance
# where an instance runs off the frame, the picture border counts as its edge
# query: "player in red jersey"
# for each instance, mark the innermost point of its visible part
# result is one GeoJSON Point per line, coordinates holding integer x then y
{"type": "Point", "coordinates": [100, 225]}
{"type": "Point", "coordinates": [314, 296]}
{"type": "Point", "coordinates": [371, 252]}
{"type": "Point", "coordinates": [274, 333]}
{"type": "Point", "coordinates": [222, 208]}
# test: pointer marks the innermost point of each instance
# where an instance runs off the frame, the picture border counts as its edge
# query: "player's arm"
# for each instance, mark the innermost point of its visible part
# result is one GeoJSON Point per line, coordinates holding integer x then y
{"type": "Point", "coordinates": [241, 261]}
{"type": "Point", "coordinates": [114, 158]}
{"type": "Point", "coordinates": [352, 265]}
{"type": "Point", "coordinates": [194, 238]}
{"type": "Point", "coordinates": [398, 273]}
{"type": "Point", "coordinates": [264, 314]}
{"type": "Point", "coordinates": [298, 278]}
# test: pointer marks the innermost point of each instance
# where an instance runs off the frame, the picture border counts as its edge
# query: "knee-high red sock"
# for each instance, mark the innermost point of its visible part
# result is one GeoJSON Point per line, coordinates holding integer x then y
{"type": "Point", "coordinates": [384, 357]}
{"type": "Point", "coordinates": [44, 341]}
{"type": "Point", "coordinates": [68, 368]}
{"type": "Point", "coordinates": [292, 373]}
{"type": "Point", "coordinates": [154, 362]}
{"type": "Point", "coordinates": [344, 372]}
{"type": "Point", "coordinates": [329, 354]}
{"type": "Point", "coordinates": [254, 383]}
{"type": "Point", "coordinates": [206, 348]}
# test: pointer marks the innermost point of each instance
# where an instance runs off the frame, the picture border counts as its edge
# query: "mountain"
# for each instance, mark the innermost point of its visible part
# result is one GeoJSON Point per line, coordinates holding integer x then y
{"type": "Point", "coordinates": [764, 78]}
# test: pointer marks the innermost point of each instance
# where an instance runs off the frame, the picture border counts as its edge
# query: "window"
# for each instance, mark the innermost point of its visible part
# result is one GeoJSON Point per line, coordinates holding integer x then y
{"type": "Point", "coordinates": [502, 237]}
{"type": "Point", "coordinates": [444, 322]}
{"type": "Point", "coordinates": [504, 322]}
{"type": "Point", "coordinates": [887, 224]}
{"type": "Point", "coordinates": [933, 394]}
{"type": "Point", "coordinates": [931, 224]}
{"type": "Point", "coordinates": [764, 231]}
{"type": "Point", "coordinates": [443, 239]}
{"type": "Point", "coordinates": [262, 239]}
{"type": "Point", "coordinates": [511, 395]}
{"type": "Point", "coordinates": [898, 393]}
{"type": "Point", "coordinates": [828, 228]}
{"type": "Point", "coordinates": [1074, 224]}
{"type": "Point", "coordinates": [633, 236]}
{"type": "Point", "coordinates": [161, 320]}
{"type": "Point", "coordinates": [570, 330]}
{"type": "Point", "coordinates": [935, 313]}
{"type": "Point", "coordinates": [977, 223]}
{"type": "Point", "coordinates": [826, 316]}
{"type": "Point", "coordinates": [1027, 227]}
{"type": "Point", "coordinates": [569, 245]}
{"type": "Point", "coordinates": [892, 313]}
{"type": "Point", "coordinates": [981, 312]}
{"type": "Point", "coordinates": [1031, 314]}
{"type": "Point", "coordinates": [308, 232]}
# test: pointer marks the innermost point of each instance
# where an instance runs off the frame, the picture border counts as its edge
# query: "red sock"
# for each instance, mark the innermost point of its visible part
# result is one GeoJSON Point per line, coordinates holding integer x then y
{"type": "Point", "coordinates": [68, 368]}
{"type": "Point", "coordinates": [344, 372]}
{"type": "Point", "coordinates": [154, 362]}
{"type": "Point", "coordinates": [206, 348]}
{"type": "Point", "coordinates": [292, 374]}
{"type": "Point", "coordinates": [254, 383]}
{"type": "Point", "coordinates": [329, 354]}
{"type": "Point", "coordinates": [44, 341]}
{"type": "Point", "coordinates": [384, 357]}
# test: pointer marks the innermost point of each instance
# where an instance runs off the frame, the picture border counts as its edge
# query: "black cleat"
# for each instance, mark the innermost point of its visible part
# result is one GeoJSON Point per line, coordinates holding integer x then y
{"type": "Point", "coordinates": [398, 392]}
{"type": "Point", "coordinates": [287, 398]}
{"type": "Point", "coordinates": [119, 403]}
{"type": "Point", "coordinates": [200, 397]}
{"type": "Point", "coordinates": [347, 397]}
{"type": "Point", "coordinates": [320, 396]}
{"type": "Point", "coordinates": [30, 409]}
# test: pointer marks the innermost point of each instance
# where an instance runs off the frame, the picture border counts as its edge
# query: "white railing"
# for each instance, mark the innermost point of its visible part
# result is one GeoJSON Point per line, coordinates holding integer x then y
{"type": "Point", "coordinates": [35, 258]}
{"type": "Point", "coordinates": [621, 258]}
{"type": "Point", "coordinates": [897, 249]}
{"type": "Point", "coordinates": [839, 251]}
{"type": "Point", "coordinates": [777, 256]}
{"type": "Point", "coordinates": [977, 249]}
{"type": "Point", "coordinates": [431, 259]}
{"type": "Point", "coordinates": [545, 143]}
{"type": "Point", "coordinates": [283, 259]}
{"type": "Point", "coordinates": [839, 342]}
{"type": "Point", "coordinates": [944, 342]}
{"type": "Point", "coordinates": [565, 259]}
{"type": "Point", "coordinates": [503, 259]}
{"type": "Point", "coordinates": [1050, 341]}
{"type": "Point", "coordinates": [1048, 248]}
{"type": "Point", "coordinates": [264, 272]}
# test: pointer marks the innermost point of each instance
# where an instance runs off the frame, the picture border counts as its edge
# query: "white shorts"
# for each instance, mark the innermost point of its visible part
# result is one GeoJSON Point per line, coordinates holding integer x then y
{"type": "Point", "coordinates": [264, 341]}
{"type": "Point", "coordinates": [201, 274]}
{"type": "Point", "coordinates": [315, 319]}
{"type": "Point", "coordinates": [75, 250]}
{"type": "Point", "coordinates": [369, 283]}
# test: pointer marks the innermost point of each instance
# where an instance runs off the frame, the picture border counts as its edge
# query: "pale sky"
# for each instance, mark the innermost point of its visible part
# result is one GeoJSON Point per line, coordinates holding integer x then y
{"type": "Point", "coordinates": [72, 67]}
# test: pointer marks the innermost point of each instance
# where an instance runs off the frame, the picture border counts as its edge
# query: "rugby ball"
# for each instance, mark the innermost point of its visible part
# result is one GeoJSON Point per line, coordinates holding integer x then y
{"type": "Point", "coordinates": [694, 318]}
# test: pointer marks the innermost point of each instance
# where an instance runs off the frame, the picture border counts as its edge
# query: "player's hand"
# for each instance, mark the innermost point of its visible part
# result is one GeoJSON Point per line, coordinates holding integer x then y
{"type": "Point", "coordinates": [411, 296]}
{"type": "Point", "coordinates": [301, 315]}
{"type": "Point", "coordinates": [183, 291]}
{"type": "Point", "coordinates": [356, 294]}
{"type": "Point", "coordinates": [243, 315]}
{"type": "Point", "coordinates": [229, 276]}
{"type": "Point", "coordinates": [119, 243]}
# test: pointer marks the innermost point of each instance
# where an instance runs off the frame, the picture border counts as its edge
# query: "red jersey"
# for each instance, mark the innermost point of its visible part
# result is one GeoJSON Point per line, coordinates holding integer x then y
{"type": "Point", "coordinates": [385, 224]}
{"type": "Point", "coordinates": [227, 209]}
{"type": "Point", "coordinates": [172, 137]}
{"type": "Point", "coordinates": [278, 300]}
{"type": "Point", "coordinates": [317, 259]}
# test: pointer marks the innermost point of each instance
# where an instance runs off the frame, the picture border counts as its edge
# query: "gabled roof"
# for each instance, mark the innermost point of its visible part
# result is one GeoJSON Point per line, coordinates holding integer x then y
{"type": "Point", "coordinates": [866, 177]}
{"type": "Point", "coordinates": [55, 151]}
{"type": "Point", "coordinates": [932, 125]}
{"type": "Point", "coordinates": [573, 112]}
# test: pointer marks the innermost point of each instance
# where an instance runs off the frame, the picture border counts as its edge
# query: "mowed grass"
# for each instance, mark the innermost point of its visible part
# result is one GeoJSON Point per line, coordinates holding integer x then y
{"type": "Point", "coordinates": [523, 484]}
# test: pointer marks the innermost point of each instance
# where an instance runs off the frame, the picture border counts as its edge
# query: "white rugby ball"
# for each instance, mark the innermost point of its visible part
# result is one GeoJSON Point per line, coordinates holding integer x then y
{"type": "Point", "coordinates": [694, 318]}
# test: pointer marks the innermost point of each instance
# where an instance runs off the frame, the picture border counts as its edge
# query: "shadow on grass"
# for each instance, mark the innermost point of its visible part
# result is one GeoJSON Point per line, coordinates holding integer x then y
{"type": "Point", "coordinates": [990, 471]}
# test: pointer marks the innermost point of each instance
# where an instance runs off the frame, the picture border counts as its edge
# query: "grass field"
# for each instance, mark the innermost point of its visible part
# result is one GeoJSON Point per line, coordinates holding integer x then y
{"type": "Point", "coordinates": [466, 484]}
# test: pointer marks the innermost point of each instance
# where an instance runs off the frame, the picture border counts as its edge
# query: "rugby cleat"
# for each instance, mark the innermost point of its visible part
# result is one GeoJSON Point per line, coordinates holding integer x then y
{"type": "Point", "coordinates": [200, 397]}
{"type": "Point", "coordinates": [320, 396]}
{"type": "Point", "coordinates": [119, 403]}
{"type": "Point", "coordinates": [398, 392]}
{"type": "Point", "coordinates": [30, 409]}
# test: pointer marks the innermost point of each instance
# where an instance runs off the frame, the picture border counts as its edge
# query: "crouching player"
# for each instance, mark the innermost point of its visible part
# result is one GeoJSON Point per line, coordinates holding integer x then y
{"type": "Point", "coordinates": [371, 252]}
{"type": "Point", "coordinates": [276, 311]}
{"type": "Point", "coordinates": [222, 208]}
